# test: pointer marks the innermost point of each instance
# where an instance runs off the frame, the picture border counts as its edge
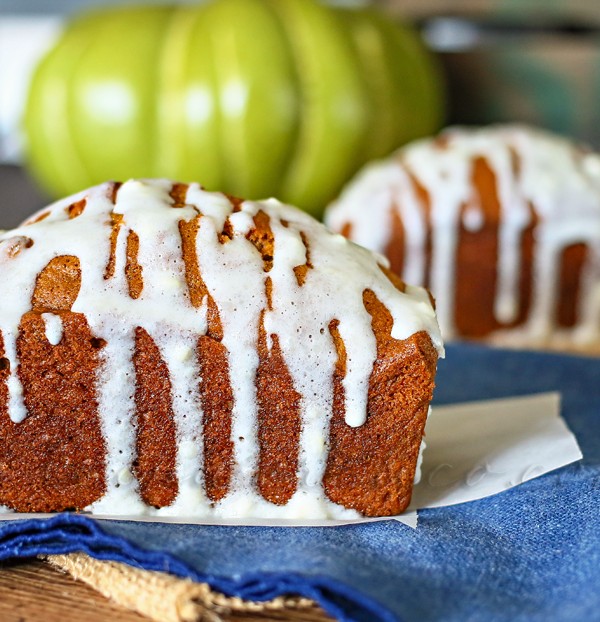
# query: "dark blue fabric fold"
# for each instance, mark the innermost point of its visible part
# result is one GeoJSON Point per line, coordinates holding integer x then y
{"type": "Point", "coordinates": [530, 553]}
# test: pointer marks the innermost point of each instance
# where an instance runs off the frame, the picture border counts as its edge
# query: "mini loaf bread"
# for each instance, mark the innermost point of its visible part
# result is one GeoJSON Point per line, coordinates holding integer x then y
{"type": "Point", "coordinates": [170, 351]}
{"type": "Point", "coordinates": [503, 223]}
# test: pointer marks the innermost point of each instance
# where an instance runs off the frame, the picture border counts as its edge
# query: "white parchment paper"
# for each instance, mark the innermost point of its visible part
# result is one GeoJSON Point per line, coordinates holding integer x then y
{"type": "Point", "coordinates": [480, 449]}
{"type": "Point", "coordinates": [474, 450]}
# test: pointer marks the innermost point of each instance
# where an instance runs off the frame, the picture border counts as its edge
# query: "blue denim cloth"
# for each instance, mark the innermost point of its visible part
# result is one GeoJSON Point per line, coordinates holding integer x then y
{"type": "Point", "coordinates": [530, 553]}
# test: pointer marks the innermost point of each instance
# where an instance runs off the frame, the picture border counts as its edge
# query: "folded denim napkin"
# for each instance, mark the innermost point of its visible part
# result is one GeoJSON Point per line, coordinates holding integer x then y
{"type": "Point", "coordinates": [530, 553]}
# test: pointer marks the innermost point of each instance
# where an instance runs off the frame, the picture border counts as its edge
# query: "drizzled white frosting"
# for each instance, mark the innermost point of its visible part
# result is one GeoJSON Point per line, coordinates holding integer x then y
{"type": "Point", "coordinates": [54, 328]}
{"type": "Point", "coordinates": [234, 275]}
{"type": "Point", "coordinates": [560, 182]}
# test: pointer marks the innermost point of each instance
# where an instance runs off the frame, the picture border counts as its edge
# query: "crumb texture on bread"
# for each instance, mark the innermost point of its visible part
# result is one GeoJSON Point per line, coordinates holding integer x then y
{"type": "Point", "coordinates": [171, 351]}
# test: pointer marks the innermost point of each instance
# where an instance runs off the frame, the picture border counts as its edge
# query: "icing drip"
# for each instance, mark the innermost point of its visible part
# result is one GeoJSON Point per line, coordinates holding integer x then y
{"type": "Point", "coordinates": [179, 353]}
{"type": "Point", "coordinates": [54, 328]}
{"type": "Point", "coordinates": [473, 219]}
{"type": "Point", "coordinates": [16, 405]}
{"type": "Point", "coordinates": [115, 391]}
{"type": "Point", "coordinates": [541, 180]}
{"type": "Point", "coordinates": [128, 240]}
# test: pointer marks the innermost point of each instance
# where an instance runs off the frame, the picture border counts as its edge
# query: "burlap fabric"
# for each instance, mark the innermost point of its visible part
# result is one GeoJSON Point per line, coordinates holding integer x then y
{"type": "Point", "coordinates": [166, 598]}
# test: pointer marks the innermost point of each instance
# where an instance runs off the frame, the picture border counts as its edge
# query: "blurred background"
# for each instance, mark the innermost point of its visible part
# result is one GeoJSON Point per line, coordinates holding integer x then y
{"type": "Point", "coordinates": [532, 61]}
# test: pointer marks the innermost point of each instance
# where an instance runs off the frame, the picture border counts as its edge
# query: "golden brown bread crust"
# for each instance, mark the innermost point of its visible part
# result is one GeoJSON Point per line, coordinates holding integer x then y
{"type": "Point", "coordinates": [279, 424]}
{"type": "Point", "coordinates": [55, 459]}
{"type": "Point", "coordinates": [371, 468]}
{"type": "Point", "coordinates": [156, 443]}
{"type": "Point", "coordinates": [217, 405]}
{"type": "Point", "coordinates": [57, 285]}
{"type": "Point", "coordinates": [572, 261]}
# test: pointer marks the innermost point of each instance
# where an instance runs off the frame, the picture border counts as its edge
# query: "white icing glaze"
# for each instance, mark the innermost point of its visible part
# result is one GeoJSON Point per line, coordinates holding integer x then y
{"type": "Point", "coordinates": [54, 328]}
{"type": "Point", "coordinates": [422, 448]}
{"type": "Point", "coordinates": [234, 275]}
{"type": "Point", "coordinates": [558, 181]}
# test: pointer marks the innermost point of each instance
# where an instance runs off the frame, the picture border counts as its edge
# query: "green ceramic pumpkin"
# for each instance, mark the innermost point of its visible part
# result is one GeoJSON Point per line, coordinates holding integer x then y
{"type": "Point", "coordinates": [284, 98]}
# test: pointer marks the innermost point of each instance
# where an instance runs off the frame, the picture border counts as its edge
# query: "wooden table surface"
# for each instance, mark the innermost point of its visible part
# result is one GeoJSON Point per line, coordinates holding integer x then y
{"type": "Point", "coordinates": [33, 591]}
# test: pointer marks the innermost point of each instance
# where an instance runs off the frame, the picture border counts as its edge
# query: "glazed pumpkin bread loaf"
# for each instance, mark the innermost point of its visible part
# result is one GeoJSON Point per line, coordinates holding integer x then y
{"type": "Point", "coordinates": [503, 223]}
{"type": "Point", "coordinates": [171, 351]}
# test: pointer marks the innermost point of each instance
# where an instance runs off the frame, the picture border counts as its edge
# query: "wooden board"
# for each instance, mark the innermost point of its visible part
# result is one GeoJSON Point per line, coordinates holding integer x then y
{"type": "Point", "coordinates": [33, 591]}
